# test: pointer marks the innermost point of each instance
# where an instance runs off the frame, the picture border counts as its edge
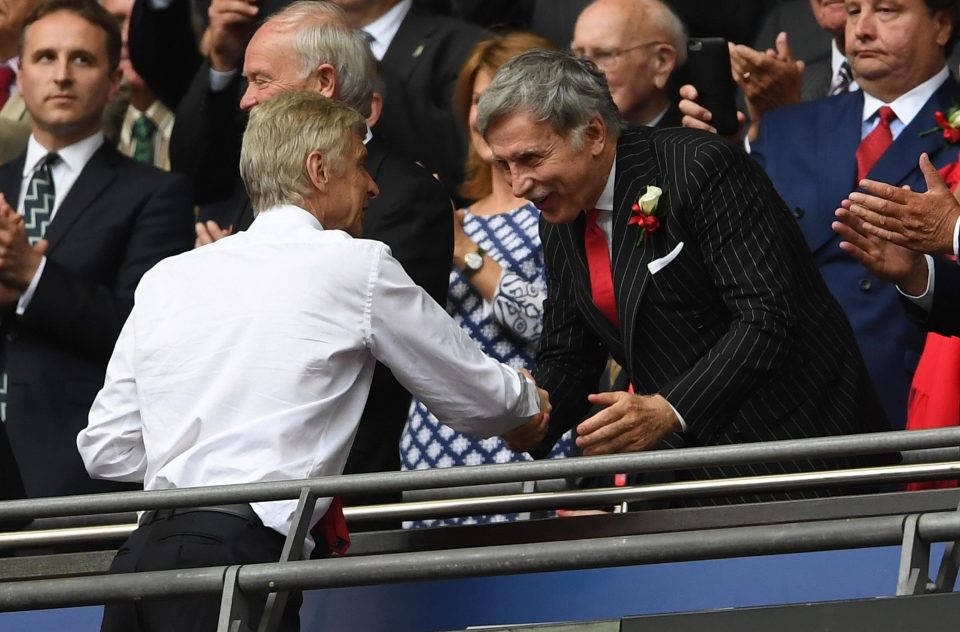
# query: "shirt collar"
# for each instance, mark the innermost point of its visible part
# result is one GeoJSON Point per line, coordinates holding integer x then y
{"type": "Point", "coordinates": [385, 27]}
{"type": "Point", "coordinates": [75, 156]}
{"type": "Point", "coordinates": [605, 201]}
{"type": "Point", "coordinates": [157, 112]}
{"type": "Point", "coordinates": [285, 216]}
{"type": "Point", "coordinates": [836, 60]}
{"type": "Point", "coordinates": [907, 105]}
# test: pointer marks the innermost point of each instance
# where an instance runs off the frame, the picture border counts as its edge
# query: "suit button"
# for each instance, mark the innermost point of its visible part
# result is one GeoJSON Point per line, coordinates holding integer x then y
{"type": "Point", "coordinates": [798, 212]}
{"type": "Point", "coordinates": [865, 285]}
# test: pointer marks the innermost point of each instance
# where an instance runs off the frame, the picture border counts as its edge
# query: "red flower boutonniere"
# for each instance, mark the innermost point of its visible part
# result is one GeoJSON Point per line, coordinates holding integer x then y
{"type": "Point", "coordinates": [949, 123]}
{"type": "Point", "coordinates": [647, 212]}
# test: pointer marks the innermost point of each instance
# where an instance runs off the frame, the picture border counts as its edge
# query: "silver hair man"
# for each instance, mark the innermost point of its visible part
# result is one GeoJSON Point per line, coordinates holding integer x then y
{"type": "Point", "coordinates": [282, 133]}
{"type": "Point", "coordinates": [321, 35]}
{"type": "Point", "coordinates": [550, 86]}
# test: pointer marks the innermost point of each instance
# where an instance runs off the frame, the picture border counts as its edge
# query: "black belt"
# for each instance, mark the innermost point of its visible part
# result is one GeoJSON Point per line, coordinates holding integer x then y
{"type": "Point", "coordinates": [243, 511]}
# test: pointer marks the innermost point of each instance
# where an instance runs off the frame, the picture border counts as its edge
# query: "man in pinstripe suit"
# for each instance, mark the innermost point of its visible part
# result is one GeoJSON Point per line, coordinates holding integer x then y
{"type": "Point", "coordinates": [721, 318]}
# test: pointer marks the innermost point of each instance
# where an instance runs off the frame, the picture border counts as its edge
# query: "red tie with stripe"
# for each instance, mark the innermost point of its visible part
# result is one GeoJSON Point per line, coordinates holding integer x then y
{"type": "Point", "coordinates": [598, 262]}
{"type": "Point", "coordinates": [875, 143]}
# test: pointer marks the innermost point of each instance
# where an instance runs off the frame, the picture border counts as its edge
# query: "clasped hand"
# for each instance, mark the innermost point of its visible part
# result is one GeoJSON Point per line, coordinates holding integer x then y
{"type": "Point", "coordinates": [628, 423]}
{"type": "Point", "coordinates": [18, 259]}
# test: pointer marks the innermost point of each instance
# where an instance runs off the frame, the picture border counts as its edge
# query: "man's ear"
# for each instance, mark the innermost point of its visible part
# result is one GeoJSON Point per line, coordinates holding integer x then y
{"type": "Point", "coordinates": [376, 107]}
{"type": "Point", "coordinates": [664, 61]}
{"type": "Point", "coordinates": [326, 81]}
{"type": "Point", "coordinates": [595, 135]}
{"type": "Point", "coordinates": [115, 78]}
{"type": "Point", "coordinates": [317, 170]}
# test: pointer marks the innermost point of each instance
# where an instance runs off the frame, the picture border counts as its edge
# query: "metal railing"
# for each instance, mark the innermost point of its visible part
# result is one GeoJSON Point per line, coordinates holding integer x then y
{"type": "Point", "coordinates": [234, 583]}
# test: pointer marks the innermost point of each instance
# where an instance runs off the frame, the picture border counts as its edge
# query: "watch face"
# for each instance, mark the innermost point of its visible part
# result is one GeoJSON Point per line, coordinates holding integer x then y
{"type": "Point", "coordinates": [473, 261]}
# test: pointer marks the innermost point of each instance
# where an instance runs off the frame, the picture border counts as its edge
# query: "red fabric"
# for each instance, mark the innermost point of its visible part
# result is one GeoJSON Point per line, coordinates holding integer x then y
{"type": "Point", "coordinates": [331, 533]}
{"type": "Point", "coordinates": [935, 392]}
{"type": "Point", "coordinates": [875, 143]}
{"type": "Point", "coordinates": [598, 262]}
{"type": "Point", "coordinates": [6, 80]}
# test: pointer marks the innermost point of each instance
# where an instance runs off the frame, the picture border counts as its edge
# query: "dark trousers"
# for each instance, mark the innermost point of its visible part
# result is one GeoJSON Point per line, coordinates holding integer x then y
{"type": "Point", "coordinates": [192, 540]}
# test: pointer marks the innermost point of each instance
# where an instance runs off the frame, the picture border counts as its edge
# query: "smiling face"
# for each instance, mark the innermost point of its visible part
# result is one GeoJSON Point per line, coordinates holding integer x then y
{"type": "Point", "coordinates": [65, 78]}
{"type": "Point", "coordinates": [547, 168]}
{"type": "Point", "coordinates": [894, 45]}
{"type": "Point", "coordinates": [270, 66]}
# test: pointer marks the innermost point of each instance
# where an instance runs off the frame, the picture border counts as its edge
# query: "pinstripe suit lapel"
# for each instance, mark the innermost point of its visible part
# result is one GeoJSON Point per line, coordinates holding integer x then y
{"type": "Point", "coordinates": [635, 169]}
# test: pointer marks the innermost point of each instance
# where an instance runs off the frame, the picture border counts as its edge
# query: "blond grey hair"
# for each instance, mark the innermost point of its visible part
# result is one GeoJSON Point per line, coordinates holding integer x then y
{"type": "Point", "coordinates": [281, 134]}
{"type": "Point", "coordinates": [323, 36]}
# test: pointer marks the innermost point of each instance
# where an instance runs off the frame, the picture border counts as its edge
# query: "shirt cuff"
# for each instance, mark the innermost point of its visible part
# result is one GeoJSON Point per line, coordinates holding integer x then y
{"type": "Point", "coordinates": [24, 301]}
{"type": "Point", "coordinates": [923, 301]}
{"type": "Point", "coordinates": [956, 239]}
{"type": "Point", "coordinates": [220, 80]}
{"type": "Point", "coordinates": [160, 5]}
{"type": "Point", "coordinates": [683, 424]}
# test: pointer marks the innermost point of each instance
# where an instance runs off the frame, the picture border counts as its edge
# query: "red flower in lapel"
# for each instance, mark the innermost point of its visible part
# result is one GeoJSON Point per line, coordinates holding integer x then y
{"type": "Point", "coordinates": [647, 211]}
{"type": "Point", "coordinates": [949, 123]}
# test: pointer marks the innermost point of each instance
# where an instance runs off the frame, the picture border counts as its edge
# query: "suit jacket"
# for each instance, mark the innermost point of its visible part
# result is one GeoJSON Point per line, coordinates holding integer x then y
{"type": "Point", "coordinates": [813, 176]}
{"type": "Point", "coordinates": [118, 220]}
{"type": "Point", "coordinates": [420, 70]}
{"type": "Point", "coordinates": [944, 315]}
{"type": "Point", "coordinates": [738, 331]}
{"type": "Point", "coordinates": [14, 128]}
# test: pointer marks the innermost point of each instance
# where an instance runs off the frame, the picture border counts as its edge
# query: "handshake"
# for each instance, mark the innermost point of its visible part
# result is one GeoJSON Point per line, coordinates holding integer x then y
{"type": "Point", "coordinates": [529, 435]}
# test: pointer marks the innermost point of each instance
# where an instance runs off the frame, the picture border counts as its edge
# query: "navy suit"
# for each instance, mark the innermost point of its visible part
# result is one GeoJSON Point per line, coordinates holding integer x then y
{"type": "Point", "coordinates": [117, 221]}
{"type": "Point", "coordinates": [808, 150]}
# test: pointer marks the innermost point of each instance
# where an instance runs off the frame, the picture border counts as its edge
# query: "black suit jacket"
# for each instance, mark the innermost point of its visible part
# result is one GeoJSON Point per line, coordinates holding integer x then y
{"type": "Point", "coordinates": [163, 48]}
{"type": "Point", "coordinates": [944, 315]}
{"type": "Point", "coordinates": [738, 331]}
{"type": "Point", "coordinates": [420, 70]}
{"type": "Point", "coordinates": [117, 221]}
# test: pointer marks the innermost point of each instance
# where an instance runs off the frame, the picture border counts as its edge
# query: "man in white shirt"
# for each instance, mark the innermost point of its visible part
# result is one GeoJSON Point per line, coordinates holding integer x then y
{"type": "Point", "coordinates": [79, 224]}
{"type": "Point", "coordinates": [250, 359]}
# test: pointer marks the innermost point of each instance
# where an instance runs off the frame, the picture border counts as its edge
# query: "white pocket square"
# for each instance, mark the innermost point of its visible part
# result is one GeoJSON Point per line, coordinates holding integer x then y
{"type": "Point", "coordinates": [659, 264]}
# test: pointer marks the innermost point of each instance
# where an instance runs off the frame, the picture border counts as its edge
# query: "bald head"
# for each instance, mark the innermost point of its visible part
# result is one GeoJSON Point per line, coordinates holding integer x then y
{"type": "Point", "coordinates": [637, 44]}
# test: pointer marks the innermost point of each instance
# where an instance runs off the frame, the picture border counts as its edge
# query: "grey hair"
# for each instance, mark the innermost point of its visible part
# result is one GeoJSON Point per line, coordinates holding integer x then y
{"type": "Point", "coordinates": [550, 86]}
{"type": "Point", "coordinates": [666, 22]}
{"type": "Point", "coordinates": [281, 134]}
{"type": "Point", "coordinates": [323, 36]}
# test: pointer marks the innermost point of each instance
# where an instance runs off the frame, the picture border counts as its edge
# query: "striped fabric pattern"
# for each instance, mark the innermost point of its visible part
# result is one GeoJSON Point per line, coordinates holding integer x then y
{"type": "Point", "coordinates": [738, 332]}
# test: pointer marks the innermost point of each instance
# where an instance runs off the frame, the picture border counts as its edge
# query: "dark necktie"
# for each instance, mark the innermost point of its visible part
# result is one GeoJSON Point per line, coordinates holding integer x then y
{"type": "Point", "coordinates": [875, 143]}
{"type": "Point", "coordinates": [6, 80]}
{"type": "Point", "coordinates": [598, 262]}
{"type": "Point", "coordinates": [39, 199]}
{"type": "Point", "coordinates": [841, 83]}
{"type": "Point", "coordinates": [143, 130]}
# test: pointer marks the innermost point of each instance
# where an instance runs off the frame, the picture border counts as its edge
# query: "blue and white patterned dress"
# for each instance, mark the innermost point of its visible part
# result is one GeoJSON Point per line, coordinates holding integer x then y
{"type": "Point", "coordinates": [506, 329]}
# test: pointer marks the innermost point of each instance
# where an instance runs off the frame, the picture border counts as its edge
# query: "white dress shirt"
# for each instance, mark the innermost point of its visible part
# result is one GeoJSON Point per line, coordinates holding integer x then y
{"type": "Point", "coordinates": [836, 60]}
{"type": "Point", "coordinates": [384, 28]}
{"type": "Point", "coordinates": [250, 360]}
{"type": "Point", "coordinates": [906, 106]}
{"type": "Point", "coordinates": [65, 172]}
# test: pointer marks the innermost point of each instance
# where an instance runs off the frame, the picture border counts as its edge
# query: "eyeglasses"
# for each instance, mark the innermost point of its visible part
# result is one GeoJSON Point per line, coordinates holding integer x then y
{"type": "Point", "coordinates": [606, 57]}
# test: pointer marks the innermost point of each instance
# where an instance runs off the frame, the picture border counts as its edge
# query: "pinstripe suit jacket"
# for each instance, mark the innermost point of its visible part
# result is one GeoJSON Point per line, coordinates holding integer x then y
{"type": "Point", "coordinates": [738, 332]}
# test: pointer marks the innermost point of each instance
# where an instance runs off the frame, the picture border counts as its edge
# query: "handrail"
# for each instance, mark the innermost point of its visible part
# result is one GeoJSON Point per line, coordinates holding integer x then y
{"type": "Point", "coordinates": [358, 484]}
{"type": "Point", "coordinates": [552, 500]}
{"type": "Point", "coordinates": [486, 561]}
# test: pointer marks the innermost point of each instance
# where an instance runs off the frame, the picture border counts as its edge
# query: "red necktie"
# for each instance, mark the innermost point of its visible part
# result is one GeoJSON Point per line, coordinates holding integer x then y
{"type": "Point", "coordinates": [598, 262]}
{"type": "Point", "coordinates": [331, 534]}
{"type": "Point", "coordinates": [875, 143]}
{"type": "Point", "coordinates": [6, 80]}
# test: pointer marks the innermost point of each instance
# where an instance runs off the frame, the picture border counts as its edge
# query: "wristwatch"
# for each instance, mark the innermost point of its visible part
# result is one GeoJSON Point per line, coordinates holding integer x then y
{"type": "Point", "coordinates": [472, 262]}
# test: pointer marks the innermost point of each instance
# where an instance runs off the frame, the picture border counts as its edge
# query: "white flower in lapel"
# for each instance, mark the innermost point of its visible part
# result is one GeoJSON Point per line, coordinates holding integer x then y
{"type": "Point", "coordinates": [647, 211]}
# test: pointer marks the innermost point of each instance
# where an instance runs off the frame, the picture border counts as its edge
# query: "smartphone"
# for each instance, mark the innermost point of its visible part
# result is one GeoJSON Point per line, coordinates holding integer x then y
{"type": "Point", "coordinates": [708, 62]}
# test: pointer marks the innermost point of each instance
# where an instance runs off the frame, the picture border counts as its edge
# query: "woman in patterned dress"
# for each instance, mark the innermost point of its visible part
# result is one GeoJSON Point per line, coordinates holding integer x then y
{"type": "Point", "coordinates": [497, 283]}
